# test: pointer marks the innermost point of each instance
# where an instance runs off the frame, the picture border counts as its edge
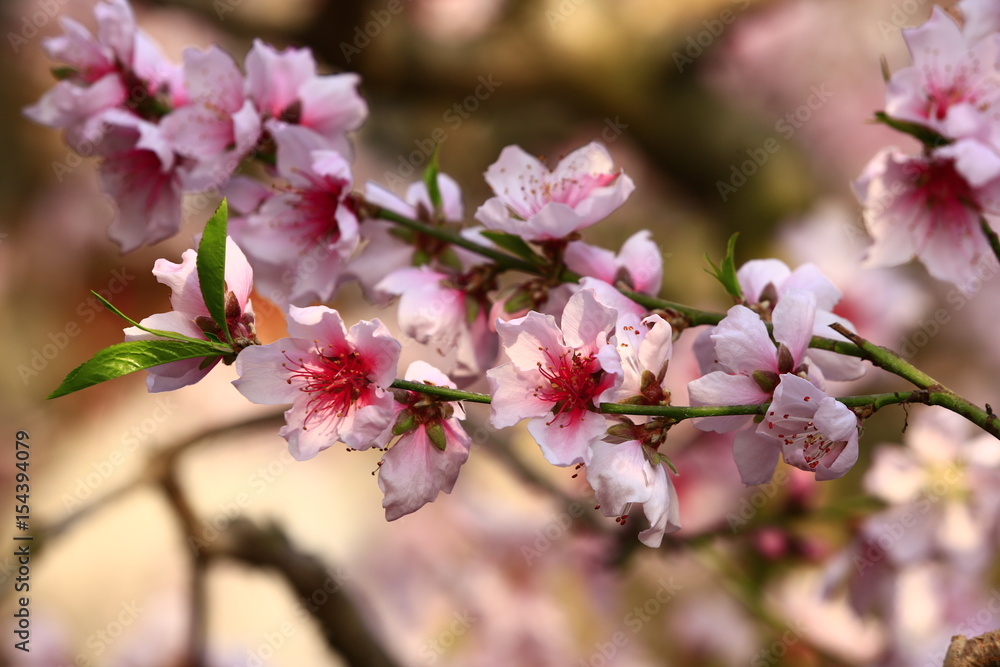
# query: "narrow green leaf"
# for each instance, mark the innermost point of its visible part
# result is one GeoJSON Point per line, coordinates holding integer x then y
{"type": "Point", "coordinates": [125, 358]}
{"type": "Point", "coordinates": [211, 265]}
{"type": "Point", "coordinates": [726, 272]}
{"type": "Point", "coordinates": [513, 244]}
{"type": "Point", "coordinates": [431, 181]}
{"type": "Point", "coordinates": [924, 135]}
{"type": "Point", "coordinates": [173, 335]}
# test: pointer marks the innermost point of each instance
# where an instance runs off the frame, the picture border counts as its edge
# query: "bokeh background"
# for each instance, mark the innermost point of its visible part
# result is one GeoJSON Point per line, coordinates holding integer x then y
{"type": "Point", "coordinates": [514, 567]}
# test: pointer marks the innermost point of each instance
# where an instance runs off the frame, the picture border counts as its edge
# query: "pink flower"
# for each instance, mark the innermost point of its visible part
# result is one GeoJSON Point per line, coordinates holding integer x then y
{"type": "Point", "coordinates": [190, 316]}
{"type": "Point", "coordinates": [430, 452]}
{"type": "Point", "coordinates": [434, 310]}
{"type": "Point", "coordinates": [639, 262]}
{"type": "Point", "coordinates": [641, 353]}
{"type": "Point", "coordinates": [554, 377]}
{"type": "Point", "coordinates": [120, 68]}
{"type": "Point", "coordinates": [949, 479]}
{"type": "Point", "coordinates": [284, 86]}
{"type": "Point", "coordinates": [220, 125]}
{"type": "Point", "coordinates": [982, 19]}
{"type": "Point", "coordinates": [537, 204]}
{"type": "Point", "coordinates": [385, 252]}
{"type": "Point", "coordinates": [763, 281]}
{"type": "Point", "coordinates": [336, 380]}
{"type": "Point", "coordinates": [929, 206]}
{"type": "Point", "coordinates": [623, 475]}
{"type": "Point", "coordinates": [815, 432]}
{"type": "Point", "coordinates": [750, 361]}
{"type": "Point", "coordinates": [300, 239]}
{"type": "Point", "coordinates": [147, 192]}
{"type": "Point", "coordinates": [952, 85]}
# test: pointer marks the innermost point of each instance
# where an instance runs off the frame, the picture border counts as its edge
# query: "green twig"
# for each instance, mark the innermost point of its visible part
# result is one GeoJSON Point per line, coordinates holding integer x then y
{"type": "Point", "coordinates": [938, 394]}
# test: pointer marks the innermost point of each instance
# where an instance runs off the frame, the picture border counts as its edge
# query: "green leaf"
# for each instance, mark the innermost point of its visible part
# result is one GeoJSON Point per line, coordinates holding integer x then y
{"type": "Point", "coordinates": [173, 335]}
{"type": "Point", "coordinates": [211, 265]}
{"type": "Point", "coordinates": [924, 135]}
{"type": "Point", "coordinates": [431, 181]}
{"type": "Point", "coordinates": [514, 245]}
{"type": "Point", "coordinates": [63, 73]}
{"type": "Point", "coordinates": [125, 358]}
{"type": "Point", "coordinates": [726, 273]}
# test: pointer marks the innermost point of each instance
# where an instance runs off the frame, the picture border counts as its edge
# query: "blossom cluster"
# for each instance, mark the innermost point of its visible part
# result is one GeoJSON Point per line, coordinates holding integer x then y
{"type": "Point", "coordinates": [941, 205]}
{"type": "Point", "coordinates": [552, 347]}
{"type": "Point", "coordinates": [556, 328]}
{"type": "Point", "coordinates": [163, 129]}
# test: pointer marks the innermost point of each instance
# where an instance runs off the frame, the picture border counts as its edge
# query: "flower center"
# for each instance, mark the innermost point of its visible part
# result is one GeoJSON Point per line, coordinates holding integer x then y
{"type": "Point", "coordinates": [959, 86]}
{"type": "Point", "coordinates": [537, 191]}
{"type": "Point", "coordinates": [334, 383]}
{"type": "Point", "coordinates": [316, 207]}
{"type": "Point", "coordinates": [569, 381]}
{"type": "Point", "coordinates": [815, 445]}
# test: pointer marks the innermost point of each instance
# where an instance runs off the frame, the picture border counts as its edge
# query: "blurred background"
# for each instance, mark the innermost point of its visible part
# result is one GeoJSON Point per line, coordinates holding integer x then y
{"type": "Point", "coordinates": [748, 116]}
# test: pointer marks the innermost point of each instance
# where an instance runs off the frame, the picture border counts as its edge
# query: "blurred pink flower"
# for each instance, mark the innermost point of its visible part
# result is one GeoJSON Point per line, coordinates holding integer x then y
{"type": "Point", "coordinates": [301, 238]}
{"type": "Point", "coordinates": [285, 86]}
{"type": "Point", "coordinates": [190, 316]}
{"type": "Point", "coordinates": [555, 378]}
{"type": "Point", "coordinates": [219, 126]}
{"type": "Point", "coordinates": [952, 85]}
{"type": "Point", "coordinates": [336, 380]}
{"type": "Point", "coordinates": [120, 69]}
{"type": "Point", "coordinates": [930, 206]}
{"type": "Point", "coordinates": [427, 458]}
{"type": "Point", "coordinates": [537, 204]}
{"type": "Point", "coordinates": [639, 262]}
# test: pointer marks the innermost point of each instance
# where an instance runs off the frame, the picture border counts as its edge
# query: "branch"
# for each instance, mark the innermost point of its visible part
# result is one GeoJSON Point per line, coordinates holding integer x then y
{"type": "Point", "coordinates": [339, 618]}
{"type": "Point", "coordinates": [938, 394]}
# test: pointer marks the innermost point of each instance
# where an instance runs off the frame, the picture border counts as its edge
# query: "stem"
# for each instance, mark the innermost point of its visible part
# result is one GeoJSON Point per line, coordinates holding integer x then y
{"type": "Point", "coordinates": [872, 402]}
{"type": "Point", "coordinates": [991, 236]}
{"type": "Point", "coordinates": [441, 392]}
{"type": "Point", "coordinates": [503, 260]}
{"type": "Point", "coordinates": [938, 394]}
{"type": "Point", "coordinates": [692, 317]}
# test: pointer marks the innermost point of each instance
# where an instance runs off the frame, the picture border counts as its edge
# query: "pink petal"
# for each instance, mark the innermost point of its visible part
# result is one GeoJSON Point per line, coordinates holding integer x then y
{"type": "Point", "coordinates": [742, 342]}
{"type": "Point", "coordinates": [414, 471]}
{"type": "Point", "coordinates": [756, 457]}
